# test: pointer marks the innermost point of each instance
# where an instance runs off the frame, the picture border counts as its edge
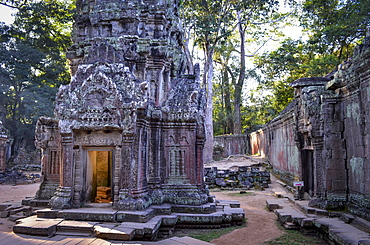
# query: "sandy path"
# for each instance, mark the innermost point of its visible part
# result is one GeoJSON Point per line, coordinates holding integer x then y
{"type": "Point", "coordinates": [10, 193]}
{"type": "Point", "coordinates": [261, 224]}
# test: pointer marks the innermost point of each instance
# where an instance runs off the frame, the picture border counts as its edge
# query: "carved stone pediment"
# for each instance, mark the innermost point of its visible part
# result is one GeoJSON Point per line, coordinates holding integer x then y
{"type": "Point", "coordinates": [108, 97]}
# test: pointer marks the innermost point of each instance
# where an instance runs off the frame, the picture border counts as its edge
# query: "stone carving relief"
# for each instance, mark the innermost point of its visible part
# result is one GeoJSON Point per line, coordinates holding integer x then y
{"type": "Point", "coordinates": [107, 98]}
{"type": "Point", "coordinates": [127, 92]}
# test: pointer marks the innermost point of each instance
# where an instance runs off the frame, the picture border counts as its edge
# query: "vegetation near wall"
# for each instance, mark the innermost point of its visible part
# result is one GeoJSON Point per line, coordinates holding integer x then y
{"type": "Point", "coordinates": [32, 65]}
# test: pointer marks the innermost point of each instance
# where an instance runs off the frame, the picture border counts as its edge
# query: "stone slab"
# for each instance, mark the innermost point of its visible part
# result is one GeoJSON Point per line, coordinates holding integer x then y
{"type": "Point", "coordinates": [200, 219]}
{"type": "Point", "coordinates": [162, 209]}
{"type": "Point", "coordinates": [273, 204]}
{"type": "Point", "coordinates": [4, 206]}
{"type": "Point", "coordinates": [135, 216]}
{"type": "Point", "coordinates": [230, 203]}
{"type": "Point", "coordinates": [37, 226]}
{"type": "Point", "coordinates": [168, 220]}
{"type": "Point", "coordinates": [114, 232]}
{"type": "Point", "coordinates": [71, 226]}
{"type": "Point", "coordinates": [89, 214]}
{"type": "Point", "coordinates": [201, 209]}
{"type": "Point", "coordinates": [47, 213]}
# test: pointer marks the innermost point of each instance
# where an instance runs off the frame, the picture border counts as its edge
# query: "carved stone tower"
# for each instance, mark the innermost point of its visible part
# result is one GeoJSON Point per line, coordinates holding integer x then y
{"type": "Point", "coordinates": [128, 129]}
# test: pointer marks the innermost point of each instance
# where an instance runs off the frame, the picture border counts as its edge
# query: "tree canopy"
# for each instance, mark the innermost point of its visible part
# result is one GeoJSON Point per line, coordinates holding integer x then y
{"type": "Point", "coordinates": [33, 65]}
{"type": "Point", "coordinates": [333, 29]}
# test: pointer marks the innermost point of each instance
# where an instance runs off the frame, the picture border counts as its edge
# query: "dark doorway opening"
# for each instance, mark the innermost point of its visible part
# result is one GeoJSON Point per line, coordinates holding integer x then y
{"type": "Point", "coordinates": [308, 171]}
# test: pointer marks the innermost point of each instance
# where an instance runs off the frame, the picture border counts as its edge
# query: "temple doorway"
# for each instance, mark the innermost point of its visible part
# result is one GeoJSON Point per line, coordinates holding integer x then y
{"type": "Point", "coordinates": [308, 171]}
{"type": "Point", "coordinates": [99, 176]}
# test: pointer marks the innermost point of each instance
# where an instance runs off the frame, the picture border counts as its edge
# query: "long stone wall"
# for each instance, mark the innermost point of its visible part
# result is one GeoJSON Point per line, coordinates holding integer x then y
{"type": "Point", "coordinates": [323, 137]}
{"type": "Point", "coordinates": [276, 142]}
{"type": "Point", "coordinates": [228, 145]}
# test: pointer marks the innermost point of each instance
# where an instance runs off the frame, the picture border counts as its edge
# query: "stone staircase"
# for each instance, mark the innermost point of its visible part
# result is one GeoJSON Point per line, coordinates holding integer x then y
{"type": "Point", "coordinates": [333, 227]}
{"type": "Point", "coordinates": [149, 224]}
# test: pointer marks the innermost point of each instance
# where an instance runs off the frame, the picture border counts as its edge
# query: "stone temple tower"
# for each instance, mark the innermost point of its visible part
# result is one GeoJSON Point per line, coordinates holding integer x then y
{"type": "Point", "coordinates": [128, 129]}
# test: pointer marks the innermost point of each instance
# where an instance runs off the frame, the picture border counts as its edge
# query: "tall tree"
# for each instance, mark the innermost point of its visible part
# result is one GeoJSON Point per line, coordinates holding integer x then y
{"type": "Point", "coordinates": [336, 25]}
{"type": "Point", "coordinates": [213, 22]}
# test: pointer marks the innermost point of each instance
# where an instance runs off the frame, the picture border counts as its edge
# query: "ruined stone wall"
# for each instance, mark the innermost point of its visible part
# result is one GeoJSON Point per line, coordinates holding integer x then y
{"type": "Point", "coordinates": [4, 147]}
{"type": "Point", "coordinates": [3, 153]}
{"type": "Point", "coordinates": [347, 133]}
{"type": "Point", "coordinates": [276, 142]}
{"type": "Point", "coordinates": [323, 137]}
{"type": "Point", "coordinates": [228, 145]}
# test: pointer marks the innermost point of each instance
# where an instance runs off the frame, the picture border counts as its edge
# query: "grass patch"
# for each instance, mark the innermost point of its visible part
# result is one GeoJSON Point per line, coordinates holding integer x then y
{"type": "Point", "coordinates": [208, 234]}
{"type": "Point", "coordinates": [294, 237]}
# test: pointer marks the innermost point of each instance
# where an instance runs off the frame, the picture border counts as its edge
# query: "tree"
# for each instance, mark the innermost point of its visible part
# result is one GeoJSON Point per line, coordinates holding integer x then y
{"type": "Point", "coordinates": [33, 65]}
{"type": "Point", "coordinates": [333, 28]}
{"type": "Point", "coordinates": [210, 22]}
{"type": "Point", "coordinates": [336, 25]}
{"type": "Point", "coordinates": [213, 22]}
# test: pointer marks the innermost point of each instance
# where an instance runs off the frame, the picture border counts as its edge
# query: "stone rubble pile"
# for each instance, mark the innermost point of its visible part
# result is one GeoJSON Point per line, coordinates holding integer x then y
{"type": "Point", "coordinates": [14, 176]}
{"type": "Point", "coordinates": [244, 177]}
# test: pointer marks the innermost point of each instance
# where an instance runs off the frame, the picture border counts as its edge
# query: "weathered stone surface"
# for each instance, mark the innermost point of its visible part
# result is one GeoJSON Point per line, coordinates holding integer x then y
{"type": "Point", "coordinates": [245, 177]}
{"type": "Point", "coordinates": [4, 145]}
{"type": "Point", "coordinates": [129, 96]}
{"type": "Point", "coordinates": [322, 137]}
{"type": "Point", "coordinates": [128, 132]}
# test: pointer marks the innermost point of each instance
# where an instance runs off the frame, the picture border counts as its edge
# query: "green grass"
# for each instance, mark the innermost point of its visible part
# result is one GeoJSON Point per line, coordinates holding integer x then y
{"type": "Point", "coordinates": [294, 237]}
{"type": "Point", "coordinates": [208, 234]}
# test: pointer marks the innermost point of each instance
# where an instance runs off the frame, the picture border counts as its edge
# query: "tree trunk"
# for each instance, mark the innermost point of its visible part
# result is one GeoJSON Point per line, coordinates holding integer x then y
{"type": "Point", "coordinates": [187, 53]}
{"type": "Point", "coordinates": [227, 101]}
{"type": "Point", "coordinates": [239, 84]}
{"type": "Point", "coordinates": [207, 80]}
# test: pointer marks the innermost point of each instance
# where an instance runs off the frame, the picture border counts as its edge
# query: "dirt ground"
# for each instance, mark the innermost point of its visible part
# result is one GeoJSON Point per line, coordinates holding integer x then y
{"type": "Point", "coordinates": [14, 194]}
{"type": "Point", "coordinates": [261, 224]}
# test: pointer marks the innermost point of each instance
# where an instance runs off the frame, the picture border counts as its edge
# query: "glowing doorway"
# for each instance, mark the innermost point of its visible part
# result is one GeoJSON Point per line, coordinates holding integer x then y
{"type": "Point", "coordinates": [99, 176]}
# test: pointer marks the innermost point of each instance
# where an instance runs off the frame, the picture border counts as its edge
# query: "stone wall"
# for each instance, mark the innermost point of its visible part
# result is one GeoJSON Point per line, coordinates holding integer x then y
{"type": "Point", "coordinates": [4, 147]}
{"type": "Point", "coordinates": [323, 137]}
{"type": "Point", "coordinates": [276, 142]}
{"type": "Point", "coordinates": [228, 145]}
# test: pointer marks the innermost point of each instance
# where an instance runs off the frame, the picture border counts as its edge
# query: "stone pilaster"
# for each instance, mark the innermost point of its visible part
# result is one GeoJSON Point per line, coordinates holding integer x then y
{"type": "Point", "coordinates": [62, 198]}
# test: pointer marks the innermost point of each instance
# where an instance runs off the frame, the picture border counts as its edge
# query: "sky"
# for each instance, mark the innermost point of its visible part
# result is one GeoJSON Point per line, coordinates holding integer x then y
{"type": "Point", "coordinates": [5, 14]}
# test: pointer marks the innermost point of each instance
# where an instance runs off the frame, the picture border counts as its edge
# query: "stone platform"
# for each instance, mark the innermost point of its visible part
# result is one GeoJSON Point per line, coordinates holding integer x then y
{"type": "Point", "coordinates": [333, 227]}
{"type": "Point", "coordinates": [103, 222]}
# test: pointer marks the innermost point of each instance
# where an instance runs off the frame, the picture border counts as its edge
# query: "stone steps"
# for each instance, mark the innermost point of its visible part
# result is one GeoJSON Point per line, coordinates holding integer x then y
{"type": "Point", "coordinates": [76, 228]}
{"type": "Point", "coordinates": [36, 226]}
{"type": "Point", "coordinates": [110, 224]}
{"type": "Point", "coordinates": [295, 214]}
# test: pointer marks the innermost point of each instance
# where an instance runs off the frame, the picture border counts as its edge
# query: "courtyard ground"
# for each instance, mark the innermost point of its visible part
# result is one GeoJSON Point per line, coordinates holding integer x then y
{"type": "Point", "coordinates": [261, 224]}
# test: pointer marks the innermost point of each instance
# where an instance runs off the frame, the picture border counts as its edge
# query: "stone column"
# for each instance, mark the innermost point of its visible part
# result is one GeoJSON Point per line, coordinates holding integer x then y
{"type": "Point", "coordinates": [117, 173]}
{"type": "Point", "coordinates": [63, 196]}
{"type": "Point", "coordinates": [199, 162]}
